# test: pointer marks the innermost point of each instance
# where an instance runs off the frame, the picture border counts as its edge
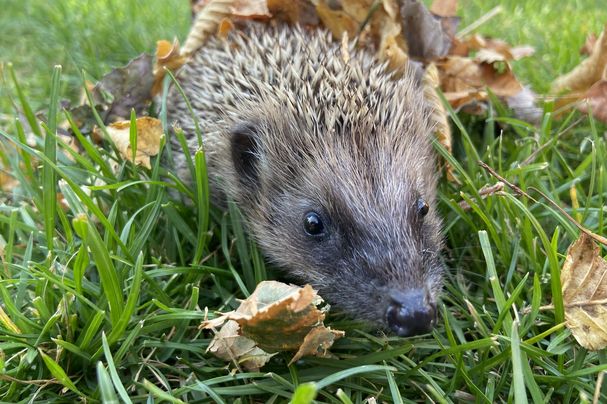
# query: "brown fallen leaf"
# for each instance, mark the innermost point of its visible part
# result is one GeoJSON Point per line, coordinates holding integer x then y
{"type": "Point", "coordinates": [168, 56]}
{"type": "Point", "coordinates": [125, 88]}
{"type": "Point", "coordinates": [380, 23]}
{"type": "Point", "coordinates": [461, 74]}
{"type": "Point", "coordinates": [588, 72]}
{"type": "Point", "coordinates": [239, 8]}
{"type": "Point", "coordinates": [205, 24]}
{"type": "Point", "coordinates": [589, 44]}
{"type": "Point", "coordinates": [317, 343]}
{"type": "Point", "coordinates": [294, 11]}
{"type": "Point", "coordinates": [149, 131]}
{"type": "Point", "coordinates": [277, 317]}
{"type": "Point", "coordinates": [337, 20]}
{"type": "Point", "coordinates": [250, 9]}
{"type": "Point", "coordinates": [468, 98]}
{"type": "Point", "coordinates": [595, 100]}
{"type": "Point", "coordinates": [489, 49]}
{"type": "Point", "coordinates": [439, 117]}
{"type": "Point", "coordinates": [229, 345]}
{"type": "Point", "coordinates": [392, 46]}
{"type": "Point", "coordinates": [584, 286]}
{"type": "Point", "coordinates": [225, 27]}
{"type": "Point", "coordinates": [444, 8]}
{"type": "Point", "coordinates": [210, 19]}
{"type": "Point", "coordinates": [423, 33]}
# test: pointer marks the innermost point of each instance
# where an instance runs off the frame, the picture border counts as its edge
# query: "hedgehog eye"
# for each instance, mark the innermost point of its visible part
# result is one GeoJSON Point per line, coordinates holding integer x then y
{"type": "Point", "coordinates": [422, 207]}
{"type": "Point", "coordinates": [312, 224]}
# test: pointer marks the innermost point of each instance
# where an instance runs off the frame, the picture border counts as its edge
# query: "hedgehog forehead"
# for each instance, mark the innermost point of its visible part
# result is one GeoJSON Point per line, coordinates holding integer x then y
{"type": "Point", "coordinates": [363, 173]}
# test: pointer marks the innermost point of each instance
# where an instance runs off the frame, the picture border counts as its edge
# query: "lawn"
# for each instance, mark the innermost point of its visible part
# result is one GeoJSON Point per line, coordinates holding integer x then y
{"type": "Point", "coordinates": [64, 338]}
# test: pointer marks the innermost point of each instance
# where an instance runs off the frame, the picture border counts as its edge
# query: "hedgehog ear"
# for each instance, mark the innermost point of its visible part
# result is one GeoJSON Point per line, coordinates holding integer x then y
{"type": "Point", "coordinates": [245, 152]}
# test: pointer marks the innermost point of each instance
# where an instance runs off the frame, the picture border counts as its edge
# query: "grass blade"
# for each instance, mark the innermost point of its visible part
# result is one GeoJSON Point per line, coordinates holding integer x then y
{"type": "Point", "coordinates": [49, 180]}
{"type": "Point", "coordinates": [59, 374]}
{"type": "Point", "coordinates": [107, 272]}
{"type": "Point", "coordinates": [108, 394]}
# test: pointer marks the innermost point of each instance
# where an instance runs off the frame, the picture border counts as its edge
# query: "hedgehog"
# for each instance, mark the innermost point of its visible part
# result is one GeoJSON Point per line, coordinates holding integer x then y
{"type": "Point", "coordinates": [328, 156]}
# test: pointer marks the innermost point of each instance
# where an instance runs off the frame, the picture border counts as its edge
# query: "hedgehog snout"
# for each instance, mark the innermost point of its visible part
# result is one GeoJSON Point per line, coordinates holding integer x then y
{"type": "Point", "coordinates": [410, 312]}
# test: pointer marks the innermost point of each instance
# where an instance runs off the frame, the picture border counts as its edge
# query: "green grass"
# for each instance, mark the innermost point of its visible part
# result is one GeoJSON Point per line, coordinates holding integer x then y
{"type": "Point", "coordinates": [102, 300]}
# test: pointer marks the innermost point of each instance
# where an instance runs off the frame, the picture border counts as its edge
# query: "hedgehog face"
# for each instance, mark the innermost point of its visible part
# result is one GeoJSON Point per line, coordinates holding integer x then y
{"type": "Point", "coordinates": [349, 210]}
{"type": "Point", "coordinates": [328, 157]}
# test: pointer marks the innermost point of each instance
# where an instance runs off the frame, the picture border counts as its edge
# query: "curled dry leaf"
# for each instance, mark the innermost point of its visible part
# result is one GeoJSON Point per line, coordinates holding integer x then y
{"type": "Point", "coordinates": [584, 286]}
{"type": "Point", "coordinates": [149, 131]}
{"type": "Point", "coordinates": [277, 317]}
{"type": "Point", "coordinates": [168, 56]}
{"type": "Point", "coordinates": [205, 24]}
{"type": "Point", "coordinates": [588, 72]}
{"type": "Point", "coordinates": [229, 345]}
{"type": "Point", "coordinates": [210, 19]}
{"type": "Point", "coordinates": [439, 117]}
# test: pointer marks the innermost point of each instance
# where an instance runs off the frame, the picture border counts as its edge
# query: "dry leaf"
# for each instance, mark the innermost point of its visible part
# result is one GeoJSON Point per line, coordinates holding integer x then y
{"type": "Point", "coordinates": [584, 286]}
{"type": "Point", "coordinates": [125, 88]}
{"type": "Point", "coordinates": [279, 316]}
{"type": "Point", "coordinates": [489, 49]}
{"type": "Point", "coordinates": [444, 8]}
{"type": "Point", "coordinates": [439, 117]}
{"type": "Point", "coordinates": [588, 72]}
{"type": "Point", "coordinates": [168, 56]}
{"type": "Point", "coordinates": [205, 24]}
{"type": "Point", "coordinates": [423, 33]}
{"type": "Point", "coordinates": [464, 74]}
{"type": "Point", "coordinates": [250, 9]}
{"type": "Point", "coordinates": [210, 19]}
{"type": "Point", "coordinates": [225, 26]}
{"type": "Point", "coordinates": [149, 131]}
{"type": "Point", "coordinates": [459, 99]}
{"type": "Point", "coordinates": [317, 343]}
{"type": "Point", "coordinates": [494, 50]}
{"type": "Point", "coordinates": [294, 11]}
{"type": "Point", "coordinates": [276, 317]}
{"type": "Point", "coordinates": [360, 10]}
{"type": "Point", "coordinates": [392, 46]}
{"type": "Point", "coordinates": [229, 345]}
{"type": "Point", "coordinates": [589, 44]}
{"type": "Point", "coordinates": [336, 21]}
{"type": "Point", "coordinates": [596, 101]}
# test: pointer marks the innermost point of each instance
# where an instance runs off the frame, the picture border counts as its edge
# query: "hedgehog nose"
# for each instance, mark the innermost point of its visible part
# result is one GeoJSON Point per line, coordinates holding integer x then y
{"type": "Point", "coordinates": [409, 313]}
